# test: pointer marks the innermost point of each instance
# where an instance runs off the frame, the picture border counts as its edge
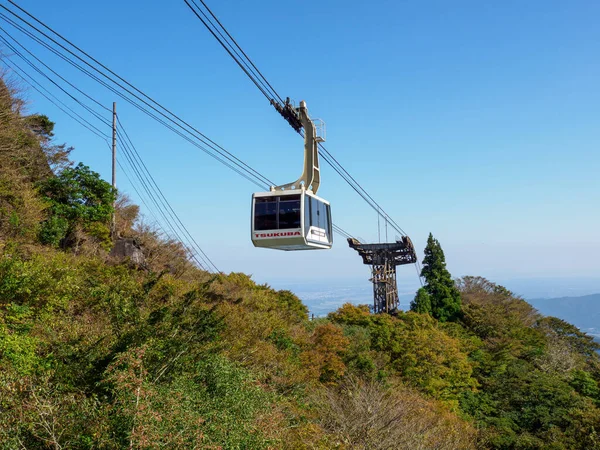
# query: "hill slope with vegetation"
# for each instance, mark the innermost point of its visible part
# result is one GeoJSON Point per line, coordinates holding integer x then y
{"type": "Point", "coordinates": [99, 352]}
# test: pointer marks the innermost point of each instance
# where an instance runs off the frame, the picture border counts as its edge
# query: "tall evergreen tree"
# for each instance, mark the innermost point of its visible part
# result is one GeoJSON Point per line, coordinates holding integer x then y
{"type": "Point", "coordinates": [422, 302]}
{"type": "Point", "coordinates": [439, 297]}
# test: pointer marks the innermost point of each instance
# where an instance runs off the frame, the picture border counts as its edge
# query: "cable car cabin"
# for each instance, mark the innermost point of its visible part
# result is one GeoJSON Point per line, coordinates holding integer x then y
{"type": "Point", "coordinates": [291, 220]}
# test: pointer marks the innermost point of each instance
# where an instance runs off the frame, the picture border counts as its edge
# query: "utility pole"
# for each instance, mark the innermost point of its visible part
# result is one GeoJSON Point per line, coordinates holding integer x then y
{"type": "Point", "coordinates": [113, 226]}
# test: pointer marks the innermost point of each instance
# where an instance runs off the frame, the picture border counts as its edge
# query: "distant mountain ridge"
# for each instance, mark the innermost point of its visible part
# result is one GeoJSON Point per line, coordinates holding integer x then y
{"type": "Point", "coordinates": [584, 311]}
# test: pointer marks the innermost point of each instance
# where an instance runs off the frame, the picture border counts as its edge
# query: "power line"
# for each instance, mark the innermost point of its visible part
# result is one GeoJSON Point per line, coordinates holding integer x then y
{"type": "Point", "coordinates": [54, 72]}
{"type": "Point", "coordinates": [151, 195]}
{"type": "Point", "coordinates": [259, 183]}
{"type": "Point", "coordinates": [143, 181]}
{"type": "Point", "coordinates": [157, 223]}
{"type": "Point", "coordinates": [163, 200]}
{"type": "Point", "coordinates": [64, 108]}
{"type": "Point", "coordinates": [69, 112]}
{"type": "Point", "coordinates": [38, 70]}
{"type": "Point", "coordinates": [131, 159]}
{"type": "Point", "coordinates": [137, 94]}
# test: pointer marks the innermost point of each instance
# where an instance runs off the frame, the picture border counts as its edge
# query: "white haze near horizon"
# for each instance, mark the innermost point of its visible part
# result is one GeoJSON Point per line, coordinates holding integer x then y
{"type": "Point", "coordinates": [324, 296]}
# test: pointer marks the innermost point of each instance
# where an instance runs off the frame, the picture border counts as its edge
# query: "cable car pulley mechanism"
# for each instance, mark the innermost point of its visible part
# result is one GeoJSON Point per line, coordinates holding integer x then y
{"type": "Point", "coordinates": [291, 216]}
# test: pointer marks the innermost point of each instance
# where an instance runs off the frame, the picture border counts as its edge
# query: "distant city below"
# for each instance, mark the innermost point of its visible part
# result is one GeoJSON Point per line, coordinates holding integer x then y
{"type": "Point", "coordinates": [576, 300]}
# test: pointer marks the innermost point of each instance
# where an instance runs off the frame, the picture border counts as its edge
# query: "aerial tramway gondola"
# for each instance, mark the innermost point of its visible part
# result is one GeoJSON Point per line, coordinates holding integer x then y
{"type": "Point", "coordinates": [291, 216]}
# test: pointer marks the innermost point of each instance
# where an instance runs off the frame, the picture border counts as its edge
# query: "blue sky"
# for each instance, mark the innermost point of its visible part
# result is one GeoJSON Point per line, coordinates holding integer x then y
{"type": "Point", "coordinates": [476, 121]}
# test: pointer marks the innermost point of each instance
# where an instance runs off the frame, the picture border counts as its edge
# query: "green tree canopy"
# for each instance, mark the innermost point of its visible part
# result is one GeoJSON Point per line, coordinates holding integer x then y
{"type": "Point", "coordinates": [439, 297]}
{"type": "Point", "coordinates": [78, 197]}
{"type": "Point", "coordinates": [421, 302]}
{"type": "Point", "coordinates": [41, 125]}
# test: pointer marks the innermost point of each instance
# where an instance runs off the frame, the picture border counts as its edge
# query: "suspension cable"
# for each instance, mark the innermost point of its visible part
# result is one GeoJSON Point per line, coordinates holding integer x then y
{"type": "Point", "coordinates": [259, 79]}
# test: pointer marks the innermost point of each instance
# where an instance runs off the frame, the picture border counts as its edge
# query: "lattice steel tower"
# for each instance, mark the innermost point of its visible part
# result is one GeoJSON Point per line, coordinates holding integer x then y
{"type": "Point", "coordinates": [383, 259]}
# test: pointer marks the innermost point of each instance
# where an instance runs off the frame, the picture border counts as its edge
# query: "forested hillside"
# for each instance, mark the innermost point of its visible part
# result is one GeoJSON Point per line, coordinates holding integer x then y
{"type": "Point", "coordinates": [582, 310]}
{"type": "Point", "coordinates": [101, 353]}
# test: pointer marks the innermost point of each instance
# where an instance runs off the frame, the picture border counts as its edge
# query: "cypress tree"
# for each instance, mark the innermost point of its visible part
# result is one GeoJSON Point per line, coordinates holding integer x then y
{"type": "Point", "coordinates": [422, 302]}
{"type": "Point", "coordinates": [439, 297]}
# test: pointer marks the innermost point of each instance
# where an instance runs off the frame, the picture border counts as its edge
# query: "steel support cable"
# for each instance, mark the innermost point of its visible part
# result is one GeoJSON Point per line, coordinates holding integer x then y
{"type": "Point", "coordinates": [163, 199]}
{"type": "Point", "coordinates": [374, 204]}
{"type": "Point", "coordinates": [333, 162]}
{"type": "Point", "coordinates": [359, 189]}
{"type": "Point", "coordinates": [161, 110]}
{"type": "Point", "coordinates": [341, 231]}
{"type": "Point", "coordinates": [243, 52]}
{"type": "Point", "coordinates": [340, 173]}
{"type": "Point", "coordinates": [228, 50]}
{"type": "Point", "coordinates": [328, 157]}
{"type": "Point", "coordinates": [240, 62]}
{"type": "Point", "coordinates": [143, 179]}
